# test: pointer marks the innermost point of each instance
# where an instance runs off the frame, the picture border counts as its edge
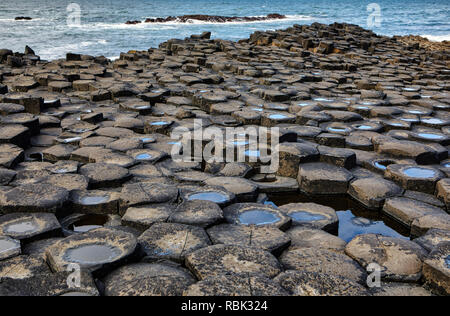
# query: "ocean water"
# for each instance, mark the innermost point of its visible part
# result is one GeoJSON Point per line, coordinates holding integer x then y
{"type": "Point", "coordinates": [54, 30]}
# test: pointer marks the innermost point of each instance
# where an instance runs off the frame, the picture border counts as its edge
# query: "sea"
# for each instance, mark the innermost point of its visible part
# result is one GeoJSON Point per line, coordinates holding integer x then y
{"type": "Point", "coordinates": [97, 27]}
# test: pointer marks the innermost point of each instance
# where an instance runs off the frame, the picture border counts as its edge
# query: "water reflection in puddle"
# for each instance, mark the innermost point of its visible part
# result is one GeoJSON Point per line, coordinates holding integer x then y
{"type": "Point", "coordinates": [354, 219]}
{"type": "Point", "coordinates": [382, 165]}
{"type": "Point", "coordinates": [143, 156]}
{"type": "Point", "coordinates": [351, 226]}
{"type": "Point", "coordinates": [87, 223]}
{"type": "Point", "coordinates": [431, 136]}
{"type": "Point", "coordinates": [161, 123]}
{"type": "Point", "coordinates": [306, 217]}
{"type": "Point", "coordinates": [258, 217]}
{"type": "Point", "coordinates": [447, 262]}
{"type": "Point", "coordinates": [415, 172]}
{"type": "Point", "coordinates": [22, 227]}
{"type": "Point", "coordinates": [94, 200]}
{"type": "Point", "coordinates": [215, 197]}
{"type": "Point", "coordinates": [278, 117]}
{"type": "Point", "coordinates": [93, 254]}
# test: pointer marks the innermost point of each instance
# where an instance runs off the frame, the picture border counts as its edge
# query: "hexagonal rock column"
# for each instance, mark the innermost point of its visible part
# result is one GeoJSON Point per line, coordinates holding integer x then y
{"type": "Point", "coordinates": [94, 202]}
{"type": "Point", "coordinates": [436, 269]}
{"type": "Point", "coordinates": [198, 213]}
{"type": "Point", "coordinates": [267, 238]}
{"type": "Point", "coordinates": [400, 260]}
{"type": "Point", "coordinates": [322, 178]}
{"type": "Point", "coordinates": [433, 238]}
{"type": "Point", "coordinates": [15, 134]}
{"type": "Point", "coordinates": [323, 261]}
{"type": "Point", "coordinates": [405, 210]}
{"type": "Point", "coordinates": [443, 191]}
{"type": "Point", "coordinates": [33, 198]}
{"type": "Point", "coordinates": [222, 259]}
{"type": "Point", "coordinates": [414, 178]}
{"type": "Point", "coordinates": [142, 193]}
{"type": "Point", "coordinates": [95, 251]}
{"type": "Point", "coordinates": [254, 214]}
{"type": "Point", "coordinates": [143, 217]}
{"type": "Point", "coordinates": [49, 284]}
{"type": "Point", "coordinates": [10, 155]}
{"type": "Point", "coordinates": [235, 284]}
{"type": "Point", "coordinates": [422, 225]}
{"type": "Point", "coordinates": [312, 215]}
{"type": "Point", "coordinates": [172, 241]}
{"type": "Point", "coordinates": [144, 279]}
{"type": "Point", "coordinates": [305, 237]}
{"type": "Point", "coordinates": [9, 247]}
{"type": "Point", "coordinates": [243, 189]}
{"type": "Point", "coordinates": [21, 268]}
{"type": "Point", "coordinates": [300, 283]}
{"type": "Point", "coordinates": [27, 227]}
{"type": "Point", "coordinates": [421, 153]}
{"type": "Point", "coordinates": [372, 192]}
{"type": "Point", "coordinates": [102, 175]}
{"type": "Point", "coordinates": [291, 155]}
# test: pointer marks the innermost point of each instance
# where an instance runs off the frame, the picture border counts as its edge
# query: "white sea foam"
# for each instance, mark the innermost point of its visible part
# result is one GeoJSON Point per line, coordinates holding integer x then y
{"type": "Point", "coordinates": [437, 38]}
{"type": "Point", "coordinates": [175, 24]}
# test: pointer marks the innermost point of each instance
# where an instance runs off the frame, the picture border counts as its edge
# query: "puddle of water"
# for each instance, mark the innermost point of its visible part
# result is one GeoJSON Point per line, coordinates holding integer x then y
{"type": "Point", "coordinates": [256, 109]}
{"type": "Point", "coordinates": [447, 262]}
{"type": "Point", "coordinates": [323, 100]}
{"type": "Point", "coordinates": [303, 104]}
{"type": "Point", "coordinates": [277, 117]}
{"type": "Point", "coordinates": [416, 112]}
{"type": "Point", "coordinates": [142, 107]}
{"type": "Point", "coordinates": [354, 218]}
{"type": "Point", "coordinates": [431, 136]}
{"type": "Point", "coordinates": [215, 197]}
{"type": "Point", "coordinates": [253, 153]}
{"type": "Point", "coordinates": [71, 140]}
{"type": "Point", "coordinates": [88, 223]}
{"type": "Point", "coordinates": [382, 164]}
{"type": "Point", "coordinates": [85, 228]}
{"type": "Point", "coordinates": [92, 254]}
{"type": "Point", "coordinates": [62, 170]}
{"type": "Point", "coordinates": [241, 143]}
{"type": "Point", "coordinates": [432, 121]}
{"type": "Point", "coordinates": [22, 227]}
{"type": "Point", "coordinates": [161, 123]}
{"type": "Point", "coordinates": [143, 156]}
{"type": "Point", "coordinates": [337, 129]}
{"type": "Point", "coordinates": [147, 140]}
{"type": "Point", "coordinates": [411, 89]}
{"type": "Point", "coordinates": [364, 127]}
{"type": "Point", "coordinates": [258, 217]}
{"type": "Point", "coordinates": [306, 217]}
{"type": "Point", "coordinates": [7, 245]}
{"type": "Point", "coordinates": [415, 172]}
{"type": "Point", "coordinates": [351, 226]}
{"type": "Point", "coordinates": [94, 200]}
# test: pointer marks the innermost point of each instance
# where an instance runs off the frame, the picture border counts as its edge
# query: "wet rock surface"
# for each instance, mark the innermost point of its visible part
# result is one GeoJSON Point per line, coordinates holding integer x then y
{"type": "Point", "coordinates": [87, 172]}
